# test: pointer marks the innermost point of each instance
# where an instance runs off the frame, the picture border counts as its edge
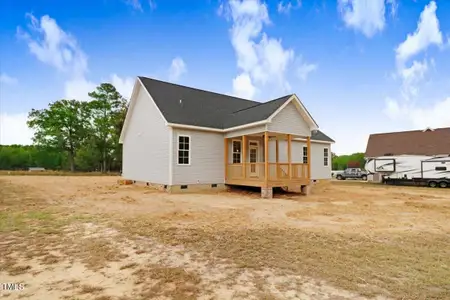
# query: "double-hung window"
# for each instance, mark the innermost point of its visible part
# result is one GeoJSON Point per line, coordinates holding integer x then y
{"type": "Point", "coordinates": [236, 152]}
{"type": "Point", "coordinates": [305, 155]}
{"type": "Point", "coordinates": [184, 148]}
{"type": "Point", "coordinates": [325, 157]}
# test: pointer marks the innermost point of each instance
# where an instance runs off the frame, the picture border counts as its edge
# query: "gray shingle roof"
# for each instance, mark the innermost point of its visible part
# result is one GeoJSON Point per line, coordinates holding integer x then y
{"type": "Point", "coordinates": [207, 109]}
{"type": "Point", "coordinates": [320, 136]}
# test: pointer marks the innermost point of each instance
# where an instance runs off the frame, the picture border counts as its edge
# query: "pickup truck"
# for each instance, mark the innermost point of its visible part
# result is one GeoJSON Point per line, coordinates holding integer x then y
{"type": "Point", "coordinates": [352, 173]}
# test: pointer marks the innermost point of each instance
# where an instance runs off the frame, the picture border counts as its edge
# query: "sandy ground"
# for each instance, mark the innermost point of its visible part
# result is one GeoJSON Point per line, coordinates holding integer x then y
{"type": "Point", "coordinates": [89, 238]}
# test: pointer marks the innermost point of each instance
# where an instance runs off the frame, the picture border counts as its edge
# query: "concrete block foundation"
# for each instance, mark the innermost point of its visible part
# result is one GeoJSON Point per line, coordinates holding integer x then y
{"type": "Point", "coordinates": [188, 188]}
{"type": "Point", "coordinates": [305, 189]}
{"type": "Point", "coordinates": [267, 193]}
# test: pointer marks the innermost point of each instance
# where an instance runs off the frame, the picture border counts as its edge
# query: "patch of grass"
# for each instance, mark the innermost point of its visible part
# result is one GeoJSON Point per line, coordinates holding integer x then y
{"type": "Point", "coordinates": [96, 253]}
{"type": "Point", "coordinates": [50, 259]}
{"type": "Point", "coordinates": [129, 266]}
{"type": "Point", "coordinates": [103, 297]}
{"type": "Point", "coordinates": [176, 283]}
{"type": "Point", "coordinates": [18, 270]}
{"type": "Point", "coordinates": [90, 289]}
{"type": "Point", "coordinates": [410, 265]}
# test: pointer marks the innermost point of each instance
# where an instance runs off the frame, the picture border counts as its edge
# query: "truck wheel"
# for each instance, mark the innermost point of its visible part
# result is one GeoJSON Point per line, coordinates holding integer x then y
{"type": "Point", "coordinates": [364, 177]}
{"type": "Point", "coordinates": [339, 177]}
{"type": "Point", "coordinates": [432, 184]}
{"type": "Point", "coordinates": [443, 184]}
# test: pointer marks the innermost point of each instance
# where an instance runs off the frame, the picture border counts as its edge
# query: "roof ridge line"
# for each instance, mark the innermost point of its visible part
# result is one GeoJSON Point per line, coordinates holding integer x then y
{"type": "Point", "coordinates": [201, 90]}
{"type": "Point", "coordinates": [261, 103]}
{"type": "Point", "coordinates": [407, 131]}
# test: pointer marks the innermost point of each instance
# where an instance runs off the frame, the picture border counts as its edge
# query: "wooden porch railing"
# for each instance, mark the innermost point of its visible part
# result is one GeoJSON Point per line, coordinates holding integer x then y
{"type": "Point", "coordinates": [254, 171]}
{"type": "Point", "coordinates": [277, 171]}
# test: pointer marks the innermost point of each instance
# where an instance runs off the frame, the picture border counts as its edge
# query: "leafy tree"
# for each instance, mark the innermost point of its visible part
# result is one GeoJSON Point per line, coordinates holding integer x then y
{"type": "Point", "coordinates": [107, 112]}
{"type": "Point", "coordinates": [88, 157]}
{"type": "Point", "coordinates": [19, 157]}
{"type": "Point", "coordinates": [62, 126]}
{"type": "Point", "coordinates": [341, 162]}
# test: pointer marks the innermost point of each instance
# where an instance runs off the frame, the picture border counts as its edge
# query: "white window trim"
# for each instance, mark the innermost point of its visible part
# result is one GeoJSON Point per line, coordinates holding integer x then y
{"type": "Point", "coordinates": [328, 157]}
{"type": "Point", "coordinates": [232, 152]}
{"type": "Point", "coordinates": [178, 149]}
{"type": "Point", "coordinates": [303, 154]}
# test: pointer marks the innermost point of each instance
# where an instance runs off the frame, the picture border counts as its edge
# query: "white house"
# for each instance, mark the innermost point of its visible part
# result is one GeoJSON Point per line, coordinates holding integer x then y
{"type": "Point", "coordinates": [183, 138]}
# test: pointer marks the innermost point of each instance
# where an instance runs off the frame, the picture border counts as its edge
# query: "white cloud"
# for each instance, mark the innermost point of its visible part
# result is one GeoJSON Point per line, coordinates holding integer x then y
{"type": "Point", "coordinates": [408, 108]}
{"type": "Point", "coordinates": [4, 78]}
{"type": "Point", "coordinates": [285, 8]}
{"type": "Point", "coordinates": [137, 5]}
{"type": "Point", "coordinates": [412, 77]}
{"type": "Point", "coordinates": [367, 16]}
{"type": "Point", "coordinates": [394, 7]}
{"type": "Point", "coordinates": [431, 115]}
{"type": "Point", "coordinates": [59, 49]}
{"type": "Point", "coordinates": [426, 34]}
{"type": "Point", "coordinates": [243, 86]}
{"type": "Point", "coordinates": [123, 85]}
{"type": "Point", "coordinates": [305, 69]}
{"type": "Point", "coordinates": [78, 88]}
{"type": "Point", "coordinates": [261, 60]}
{"type": "Point", "coordinates": [177, 69]}
{"type": "Point", "coordinates": [53, 46]}
{"type": "Point", "coordinates": [14, 129]}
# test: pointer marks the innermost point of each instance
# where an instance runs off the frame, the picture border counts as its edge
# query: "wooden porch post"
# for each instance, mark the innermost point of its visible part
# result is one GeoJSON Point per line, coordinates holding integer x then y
{"type": "Point", "coordinates": [225, 156]}
{"type": "Point", "coordinates": [266, 159]}
{"type": "Point", "coordinates": [244, 156]}
{"type": "Point", "coordinates": [308, 143]}
{"type": "Point", "coordinates": [277, 156]}
{"type": "Point", "coordinates": [289, 156]}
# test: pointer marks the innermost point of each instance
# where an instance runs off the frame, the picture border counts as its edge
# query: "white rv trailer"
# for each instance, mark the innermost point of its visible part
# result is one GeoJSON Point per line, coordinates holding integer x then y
{"type": "Point", "coordinates": [422, 170]}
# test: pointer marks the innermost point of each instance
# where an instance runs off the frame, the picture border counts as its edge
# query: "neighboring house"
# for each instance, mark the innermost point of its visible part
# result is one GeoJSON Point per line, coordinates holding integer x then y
{"type": "Point", "coordinates": [182, 138]}
{"type": "Point", "coordinates": [386, 152]}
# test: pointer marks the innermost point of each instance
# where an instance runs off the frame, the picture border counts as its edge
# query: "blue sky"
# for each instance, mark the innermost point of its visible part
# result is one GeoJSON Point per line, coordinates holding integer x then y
{"type": "Point", "coordinates": [359, 66]}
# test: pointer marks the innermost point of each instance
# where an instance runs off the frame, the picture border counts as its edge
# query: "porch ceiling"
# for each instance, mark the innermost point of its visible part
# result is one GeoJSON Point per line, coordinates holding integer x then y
{"type": "Point", "coordinates": [281, 136]}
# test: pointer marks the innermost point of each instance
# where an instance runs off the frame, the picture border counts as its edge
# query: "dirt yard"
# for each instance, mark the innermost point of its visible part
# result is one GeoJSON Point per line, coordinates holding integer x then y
{"type": "Point", "coordinates": [88, 238]}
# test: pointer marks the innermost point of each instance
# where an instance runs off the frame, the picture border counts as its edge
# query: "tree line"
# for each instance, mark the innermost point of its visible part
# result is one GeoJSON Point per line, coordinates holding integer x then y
{"type": "Point", "coordinates": [341, 162]}
{"type": "Point", "coordinates": [84, 136]}
{"type": "Point", "coordinates": [73, 135]}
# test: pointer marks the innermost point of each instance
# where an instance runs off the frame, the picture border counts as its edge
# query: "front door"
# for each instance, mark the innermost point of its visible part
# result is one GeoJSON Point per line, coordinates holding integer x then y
{"type": "Point", "coordinates": [253, 152]}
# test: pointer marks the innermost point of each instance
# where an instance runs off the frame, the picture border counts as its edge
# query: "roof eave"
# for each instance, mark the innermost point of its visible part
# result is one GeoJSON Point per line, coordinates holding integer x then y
{"type": "Point", "coordinates": [194, 127]}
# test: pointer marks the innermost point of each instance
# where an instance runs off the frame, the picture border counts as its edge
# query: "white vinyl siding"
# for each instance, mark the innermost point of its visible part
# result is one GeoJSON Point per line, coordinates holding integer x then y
{"type": "Point", "coordinates": [289, 120]}
{"type": "Point", "coordinates": [146, 143]}
{"type": "Point", "coordinates": [318, 170]}
{"type": "Point", "coordinates": [205, 161]}
{"type": "Point", "coordinates": [252, 130]}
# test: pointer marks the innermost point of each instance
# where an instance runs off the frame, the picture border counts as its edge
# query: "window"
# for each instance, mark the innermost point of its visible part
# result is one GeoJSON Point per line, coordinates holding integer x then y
{"type": "Point", "coordinates": [441, 168]}
{"type": "Point", "coordinates": [305, 155]}
{"type": "Point", "coordinates": [183, 150]}
{"type": "Point", "coordinates": [325, 157]}
{"type": "Point", "coordinates": [236, 152]}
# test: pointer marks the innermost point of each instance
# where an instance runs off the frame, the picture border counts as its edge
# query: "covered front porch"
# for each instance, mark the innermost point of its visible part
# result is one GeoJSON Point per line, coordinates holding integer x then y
{"type": "Point", "coordinates": [265, 160]}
